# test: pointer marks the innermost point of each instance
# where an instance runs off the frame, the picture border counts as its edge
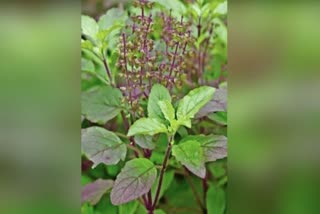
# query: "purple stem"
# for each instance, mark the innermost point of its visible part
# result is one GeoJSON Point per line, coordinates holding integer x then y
{"type": "Point", "coordinates": [163, 169]}
{"type": "Point", "coordinates": [107, 69]}
{"type": "Point", "coordinates": [173, 61]}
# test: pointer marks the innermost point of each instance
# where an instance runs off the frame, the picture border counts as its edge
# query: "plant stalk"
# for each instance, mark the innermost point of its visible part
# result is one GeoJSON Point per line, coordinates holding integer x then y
{"type": "Point", "coordinates": [107, 69]}
{"type": "Point", "coordinates": [163, 169]}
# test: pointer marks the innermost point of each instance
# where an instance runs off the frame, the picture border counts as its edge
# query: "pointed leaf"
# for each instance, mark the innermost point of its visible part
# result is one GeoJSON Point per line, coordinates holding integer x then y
{"type": "Point", "coordinates": [102, 146]}
{"type": "Point", "coordinates": [134, 180]}
{"type": "Point", "coordinates": [144, 141]}
{"type": "Point", "coordinates": [158, 93]}
{"type": "Point", "coordinates": [191, 155]}
{"type": "Point", "coordinates": [192, 103]}
{"type": "Point", "coordinates": [167, 110]}
{"type": "Point", "coordinates": [101, 104]}
{"type": "Point", "coordinates": [147, 126]}
{"type": "Point", "coordinates": [89, 26]}
{"type": "Point", "coordinates": [93, 192]}
{"type": "Point", "coordinates": [216, 104]}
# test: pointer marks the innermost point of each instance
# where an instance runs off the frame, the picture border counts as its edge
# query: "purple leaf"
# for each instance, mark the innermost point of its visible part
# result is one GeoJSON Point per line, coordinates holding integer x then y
{"type": "Point", "coordinates": [102, 146]}
{"type": "Point", "coordinates": [217, 103]}
{"type": "Point", "coordinates": [215, 147]}
{"type": "Point", "coordinates": [93, 192]}
{"type": "Point", "coordinates": [134, 180]}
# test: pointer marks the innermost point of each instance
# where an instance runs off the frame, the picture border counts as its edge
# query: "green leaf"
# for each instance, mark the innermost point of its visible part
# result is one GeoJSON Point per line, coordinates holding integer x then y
{"type": "Point", "coordinates": [180, 198]}
{"type": "Point", "coordinates": [159, 212]}
{"type": "Point", "coordinates": [87, 209]}
{"type": "Point", "coordinates": [158, 93]}
{"type": "Point", "coordinates": [167, 110]}
{"type": "Point", "coordinates": [222, 8]}
{"type": "Point", "coordinates": [102, 146]}
{"type": "Point", "coordinates": [93, 192]}
{"type": "Point", "coordinates": [129, 208]}
{"type": "Point", "coordinates": [111, 17]}
{"type": "Point", "coordinates": [134, 180]}
{"type": "Point", "coordinates": [220, 117]}
{"type": "Point", "coordinates": [190, 104]}
{"type": "Point", "coordinates": [167, 179]}
{"type": "Point", "coordinates": [190, 154]}
{"type": "Point", "coordinates": [214, 146]}
{"type": "Point", "coordinates": [177, 6]}
{"type": "Point", "coordinates": [101, 104]}
{"type": "Point", "coordinates": [147, 126]}
{"type": "Point", "coordinates": [89, 27]}
{"type": "Point", "coordinates": [144, 141]}
{"type": "Point", "coordinates": [105, 206]}
{"type": "Point", "coordinates": [216, 200]}
{"type": "Point", "coordinates": [87, 65]}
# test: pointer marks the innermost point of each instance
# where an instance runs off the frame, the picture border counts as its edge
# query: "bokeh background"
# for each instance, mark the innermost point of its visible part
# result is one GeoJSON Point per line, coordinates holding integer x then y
{"type": "Point", "coordinates": [274, 84]}
{"type": "Point", "coordinates": [274, 107]}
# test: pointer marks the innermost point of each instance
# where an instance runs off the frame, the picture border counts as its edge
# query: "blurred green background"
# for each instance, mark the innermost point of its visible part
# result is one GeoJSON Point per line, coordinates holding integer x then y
{"type": "Point", "coordinates": [274, 107]}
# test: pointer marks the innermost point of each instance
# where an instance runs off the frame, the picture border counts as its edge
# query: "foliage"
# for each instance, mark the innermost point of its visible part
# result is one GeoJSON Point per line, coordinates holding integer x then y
{"type": "Point", "coordinates": [154, 108]}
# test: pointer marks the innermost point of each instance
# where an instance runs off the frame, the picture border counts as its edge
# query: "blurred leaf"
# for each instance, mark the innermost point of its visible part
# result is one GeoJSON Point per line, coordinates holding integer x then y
{"type": "Point", "coordinates": [222, 8]}
{"type": "Point", "coordinates": [157, 157]}
{"type": "Point", "coordinates": [87, 65]}
{"type": "Point", "coordinates": [175, 5]}
{"type": "Point", "coordinates": [182, 131]}
{"type": "Point", "coordinates": [89, 27]}
{"type": "Point", "coordinates": [102, 146]}
{"type": "Point", "coordinates": [159, 212]}
{"type": "Point", "coordinates": [113, 170]}
{"type": "Point", "coordinates": [190, 104]}
{"type": "Point", "coordinates": [101, 104]}
{"type": "Point", "coordinates": [85, 180]}
{"type": "Point", "coordinates": [216, 200]}
{"type": "Point", "coordinates": [196, 9]}
{"type": "Point", "coordinates": [158, 93]}
{"type": "Point", "coordinates": [110, 18]}
{"type": "Point", "coordinates": [87, 209]}
{"type": "Point", "coordinates": [129, 208]}
{"type": "Point", "coordinates": [216, 169]}
{"type": "Point", "coordinates": [220, 117]}
{"type": "Point", "coordinates": [221, 30]}
{"type": "Point", "coordinates": [217, 103]}
{"type": "Point", "coordinates": [147, 126]}
{"type": "Point", "coordinates": [191, 155]}
{"type": "Point", "coordinates": [93, 192]}
{"type": "Point", "coordinates": [134, 180]}
{"type": "Point", "coordinates": [167, 179]}
{"type": "Point", "coordinates": [105, 206]}
{"type": "Point", "coordinates": [179, 197]}
{"type": "Point", "coordinates": [144, 141]}
{"type": "Point", "coordinates": [141, 209]}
